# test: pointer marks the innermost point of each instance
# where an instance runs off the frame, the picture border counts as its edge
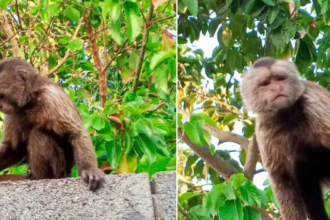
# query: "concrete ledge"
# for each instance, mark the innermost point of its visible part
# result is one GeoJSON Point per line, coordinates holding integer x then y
{"type": "Point", "coordinates": [122, 197]}
{"type": "Point", "coordinates": [163, 188]}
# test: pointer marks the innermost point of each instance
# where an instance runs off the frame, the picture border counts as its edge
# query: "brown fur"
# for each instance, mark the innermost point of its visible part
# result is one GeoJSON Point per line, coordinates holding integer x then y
{"type": "Point", "coordinates": [302, 120]}
{"type": "Point", "coordinates": [43, 125]}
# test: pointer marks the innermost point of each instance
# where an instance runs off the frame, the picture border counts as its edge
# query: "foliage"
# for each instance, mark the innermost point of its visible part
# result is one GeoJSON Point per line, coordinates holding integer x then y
{"type": "Point", "coordinates": [245, 30]}
{"type": "Point", "coordinates": [92, 48]}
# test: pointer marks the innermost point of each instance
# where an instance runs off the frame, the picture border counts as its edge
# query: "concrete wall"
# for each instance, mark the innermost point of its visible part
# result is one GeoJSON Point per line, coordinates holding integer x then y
{"type": "Point", "coordinates": [125, 196]}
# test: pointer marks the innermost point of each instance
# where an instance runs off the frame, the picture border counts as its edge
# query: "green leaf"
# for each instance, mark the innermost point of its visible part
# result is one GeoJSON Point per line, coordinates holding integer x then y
{"type": "Point", "coordinates": [147, 147]}
{"type": "Point", "coordinates": [115, 32]}
{"type": "Point", "coordinates": [75, 45]}
{"type": "Point", "coordinates": [161, 79]}
{"type": "Point", "coordinates": [192, 6]}
{"type": "Point", "coordinates": [44, 15]}
{"type": "Point", "coordinates": [113, 149]}
{"type": "Point", "coordinates": [186, 196]}
{"type": "Point", "coordinates": [160, 58]}
{"type": "Point", "coordinates": [228, 191]}
{"type": "Point", "coordinates": [3, 4]}
{"type": "Point", "coordinates": [115, 10]}
{"type": "Point", "coordinates": [133, 58]}
{"type": "Point", "coordinates": [98, 123]}
{"type": "Point", "coordinates": [225, 37]}
{"type": "Point", "coordinates": [106, 132]}
{"type": "Point", "coordinates": [160, 164]}
{"type": "Point", "coordinates": [273, 12]}
{"type": "Point", "coordinates": [198, 212]}
{"type": "Point", "coordinates": [237, 180]}
{"type": "Point", "coordinates": [250, 193]}
{"type": "Point", "coordinates": [192, 133]}
{"type": "Point", "coordinates": [270, 2]}
{"type": "Point", "coordinates": [105, 7]}
{"type": "Point", "coordinates": [207, 119]}
{"type": "Point", "coordinates": [133, 20]}
{"type": "Point", "coordinates": [251, 213]}
{"type": "Point", "coordinates": [73, 14]}
{"type": "Point", "coordinates": [207, 137]}
{"type": "Point", "coordinates": [231, 209]}
{"type": "Point", "coordinates": [53, 9]}
{"type": "Point", "coordinates": [214, 199]}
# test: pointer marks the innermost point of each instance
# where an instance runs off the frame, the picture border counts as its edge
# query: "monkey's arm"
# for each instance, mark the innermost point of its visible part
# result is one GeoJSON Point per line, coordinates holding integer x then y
{"type": "Point", "coordinates": [12, 150]}
{"type": "Point", "coordinates": [288, 197]}
{"type": "Point", "coordinates": [85, 158]}
{"type": "Point", "coordinates": [63, 118]}
{"type": "Point", "coordinates": [10, 156]}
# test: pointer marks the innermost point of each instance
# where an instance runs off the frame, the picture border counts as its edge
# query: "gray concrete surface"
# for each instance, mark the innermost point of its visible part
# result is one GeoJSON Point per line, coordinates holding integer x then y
{"type": "Point", "coordinates": [122, 197]}
{"type": "Point", "coordinates": [164, 196]}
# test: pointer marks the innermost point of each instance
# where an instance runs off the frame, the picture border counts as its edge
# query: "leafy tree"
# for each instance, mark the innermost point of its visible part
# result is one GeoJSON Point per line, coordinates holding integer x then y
{"type": "Point", "coordinates": [246, 30]}
{"type": "Point", "coordinates": [116, 60]}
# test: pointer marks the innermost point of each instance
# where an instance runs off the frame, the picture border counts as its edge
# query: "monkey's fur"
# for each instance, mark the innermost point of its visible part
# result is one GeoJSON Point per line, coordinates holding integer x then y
{"type": "Point", "coordinates": [43, 127]}
{"type": "Point", "coordinates": [293, 134]}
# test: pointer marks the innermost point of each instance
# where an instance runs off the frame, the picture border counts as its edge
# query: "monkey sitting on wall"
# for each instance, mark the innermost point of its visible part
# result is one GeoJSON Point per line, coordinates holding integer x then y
{"type": "Point", "coordinates": [43, 126]}
{"type": "Point", "coordinates": [293, 134]}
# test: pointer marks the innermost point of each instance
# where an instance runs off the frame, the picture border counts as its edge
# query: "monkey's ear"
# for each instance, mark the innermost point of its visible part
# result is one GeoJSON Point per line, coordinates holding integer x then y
{"type": "Point", "coordinates": [22, 73]}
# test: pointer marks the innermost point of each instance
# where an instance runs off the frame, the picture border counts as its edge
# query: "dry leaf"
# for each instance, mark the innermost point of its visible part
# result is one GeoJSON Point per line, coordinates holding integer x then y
{"type": "Point", "coordinates": [157, 3]}
{"type": "Point", "coordinates": [312, 24]}
{"type": "Point", "coordinates": [117, 122]}
{"type": "Point", "coordinates": [302, 33]}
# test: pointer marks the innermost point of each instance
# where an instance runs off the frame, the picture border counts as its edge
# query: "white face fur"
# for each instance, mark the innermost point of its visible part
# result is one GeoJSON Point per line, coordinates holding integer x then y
{"type": "Point", "coordinates": [270, 85]}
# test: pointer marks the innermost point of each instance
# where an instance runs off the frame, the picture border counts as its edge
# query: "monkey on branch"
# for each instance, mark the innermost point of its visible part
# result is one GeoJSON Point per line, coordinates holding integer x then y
{"type": "Point", "coordinates": [293, 134]}
{"type": "Point", "coordinates": [43, 127]}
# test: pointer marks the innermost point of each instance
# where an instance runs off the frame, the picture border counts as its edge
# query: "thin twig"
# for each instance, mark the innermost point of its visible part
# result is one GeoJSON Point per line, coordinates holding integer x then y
{"type": "Point", "coordinates": [18, 17]}
{"type": "Point", "coordinates": [8, 32]}
{"type": "Point", "coordinates": [67, 54]}
{"type": "Point", "coordinates": [114, 57]}
{"type": "Point", "coordinates": [161, 19]}
{"type": "Point", "coordinates": [3, 43]}
{"type": "Point", "coordinates": [183, 212]}
{"type": "Point", "coordinates": [143, 49]}
{"type": "Point", "coordinates": [144, 18]}
{"type": "Point", "coordinates": [168, 2]}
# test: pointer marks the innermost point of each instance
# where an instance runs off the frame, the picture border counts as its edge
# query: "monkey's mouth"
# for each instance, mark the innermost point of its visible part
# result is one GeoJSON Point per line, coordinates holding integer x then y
{"type": "Point", "coordinates": [279, 96]}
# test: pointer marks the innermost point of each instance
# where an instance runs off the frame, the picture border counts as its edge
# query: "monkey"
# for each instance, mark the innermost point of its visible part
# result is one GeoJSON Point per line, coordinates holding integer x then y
{"type": "Point", "coordinates": [43, 127]}
{"type": "Point", "coordinates": [293, 135]}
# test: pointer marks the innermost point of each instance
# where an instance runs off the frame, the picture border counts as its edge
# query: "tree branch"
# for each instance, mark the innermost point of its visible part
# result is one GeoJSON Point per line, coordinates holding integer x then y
{"type": "Point", "coordinates": [143, 49]}
{"type": "Point", "coordinates": [67, 54]}
{"type": "Point", "coordinates": [114, 57]}
{"type": "Point", "coordinates": [221, 135]}
{"type": "Point", "coordinates": [161, 19]}
{"type": "Point", "coordinates": [92, 41]}
{"type": "Point", "coordinates": [183, 212]}
{"type": "Point", "coordinates": [9, 33]}
{"type": "Point", "coordinates": [251, 158]}
{"type": "Point", "coordinates": [214, 161]}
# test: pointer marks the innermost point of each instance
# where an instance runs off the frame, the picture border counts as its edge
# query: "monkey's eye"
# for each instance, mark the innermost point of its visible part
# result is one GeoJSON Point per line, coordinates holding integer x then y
{"type": "Point", "coordinates": [280, 78]}
{"type": "Point", "coordinates": [265, 83]}
{"type": "Point", "coordinates": [1, 95]}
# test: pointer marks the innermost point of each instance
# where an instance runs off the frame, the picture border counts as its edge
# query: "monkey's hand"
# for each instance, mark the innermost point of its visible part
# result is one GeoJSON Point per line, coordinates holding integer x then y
{"type": "Point", "coordinates": [93, 177]}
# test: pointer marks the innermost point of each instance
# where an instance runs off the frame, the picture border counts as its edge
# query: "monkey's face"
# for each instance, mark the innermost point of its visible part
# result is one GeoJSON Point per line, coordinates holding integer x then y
{"type": "Point", "coordinates": [13, 94]}
{"type": "Point", "coordinates": [6, 107]}
{"type": "Point", "coordinates": [11, 97]}
{"type": "Point", "coordinates": [272, 87]}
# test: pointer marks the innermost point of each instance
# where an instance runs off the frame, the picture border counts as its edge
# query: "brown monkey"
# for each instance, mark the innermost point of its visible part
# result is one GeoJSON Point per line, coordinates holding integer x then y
{"type": "Point", "coordinates": [293, 134]}
{"type": "Point", "coordinates": [43, 126]}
